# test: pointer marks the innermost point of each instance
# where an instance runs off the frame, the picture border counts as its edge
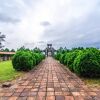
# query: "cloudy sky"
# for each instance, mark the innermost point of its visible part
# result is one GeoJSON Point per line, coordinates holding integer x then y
{"type": "Point", "coordinates": [69, 23]}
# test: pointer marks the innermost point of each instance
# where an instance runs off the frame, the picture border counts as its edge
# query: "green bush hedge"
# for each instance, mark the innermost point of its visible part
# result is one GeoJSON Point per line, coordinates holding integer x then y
{"type": "Point", "coordinates": [71, 57]}
{"type": "Point", "coordinates": [84, 62]}
{"type": "Point", "coordinates": [25, 60]}
{"type": "Point", "coordinates": [57, 56]}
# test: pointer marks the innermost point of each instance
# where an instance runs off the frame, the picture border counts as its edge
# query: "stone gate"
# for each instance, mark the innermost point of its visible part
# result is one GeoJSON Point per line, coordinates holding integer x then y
{"type": "Point", "coordinates": [49, 51]}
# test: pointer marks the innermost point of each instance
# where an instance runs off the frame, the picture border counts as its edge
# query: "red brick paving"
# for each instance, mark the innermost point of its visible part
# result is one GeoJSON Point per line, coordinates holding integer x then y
{"type": "Point", "coordinates": [50, 81]}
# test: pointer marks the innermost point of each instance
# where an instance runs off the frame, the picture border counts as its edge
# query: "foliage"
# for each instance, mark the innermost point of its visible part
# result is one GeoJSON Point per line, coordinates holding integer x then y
{"type": "Point", "coordinates": [71, 57]}
{"type": "Point", "coordinates": [84, 62]}
{"type": "Point", "coordinates": [62, 58]}
{"type": "Point", "coordinates": [57, 56]}
{"type": "Point", "coordinates": [23, 49]}
{"type": "Point", "coordinates": [87, 64]}
{"type": "Point", "coordinates": [12, 50]}
{"type": "Point", "coordinates": [7, 50]}
{"type": "Point", "coordinates": [36, 50]}
{"type": "Point", "coordinates": [25, 60]}
{"type": "Point", "coordinates": [38, 57]}
{"type": "Point", "coordinates": [22, 61]}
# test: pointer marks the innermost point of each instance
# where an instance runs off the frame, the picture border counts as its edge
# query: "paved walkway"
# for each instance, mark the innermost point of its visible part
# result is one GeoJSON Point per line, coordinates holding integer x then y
{"type": "Point", "coordinates": [50, 81]}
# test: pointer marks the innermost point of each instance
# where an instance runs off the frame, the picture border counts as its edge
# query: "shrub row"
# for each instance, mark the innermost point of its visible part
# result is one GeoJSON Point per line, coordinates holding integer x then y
{"type": "Point", "coordinates": [85, 62]}
{"type": "Point", "coordinates": [25, 60]}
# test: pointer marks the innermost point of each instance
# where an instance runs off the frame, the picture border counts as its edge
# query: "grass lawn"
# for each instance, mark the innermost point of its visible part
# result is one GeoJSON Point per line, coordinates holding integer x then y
{"type": "Point", "coordinates": [7, 73]}
{"type": "Point", "coordinates": [92, 82]}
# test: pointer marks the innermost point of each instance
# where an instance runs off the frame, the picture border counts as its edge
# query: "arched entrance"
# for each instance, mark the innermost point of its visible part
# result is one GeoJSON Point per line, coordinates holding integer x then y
{"type": "Point", "coordinates": [49, 51]}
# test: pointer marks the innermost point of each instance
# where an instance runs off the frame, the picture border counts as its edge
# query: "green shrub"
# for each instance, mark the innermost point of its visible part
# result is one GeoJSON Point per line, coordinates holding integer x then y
{"type": "Point", "coordinates": [66, 58]}
{"type": "Point", "coordinates": [61, 58]}
{"type": "Point", "coordinates": [71, 57]}
{"type": "Point", "coordinates": [57, 56]}
{"type": "Point", "coordinates": [94, 51]}
{"type": "Point", "coordinates": [43, 56]}
{"type": "Point", "coordinates": [37, 57]}
{"type": "Point", "coordinates": [86, 64]}
{"type": "Point", "coordinates": [23, 61]}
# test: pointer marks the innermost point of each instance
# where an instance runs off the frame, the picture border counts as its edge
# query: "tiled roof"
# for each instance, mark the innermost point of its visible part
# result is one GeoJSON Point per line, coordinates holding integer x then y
{"type": "Point", "coordinates": [8, 53]}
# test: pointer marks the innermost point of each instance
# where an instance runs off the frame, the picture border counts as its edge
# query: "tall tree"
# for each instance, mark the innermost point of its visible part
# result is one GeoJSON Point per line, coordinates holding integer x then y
{"type": "Point", "coordinates": [12, 50]}
{"type": "Point", "coordinates": [6, 50]}
{"type": "Point", "coordinates": [1, 39]}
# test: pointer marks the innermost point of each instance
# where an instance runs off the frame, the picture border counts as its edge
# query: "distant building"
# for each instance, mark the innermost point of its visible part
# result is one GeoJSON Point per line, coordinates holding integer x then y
{"type": "Point", "coordinates": [49, 51]}
{"type": "Point", "coordinates": [6, 55]}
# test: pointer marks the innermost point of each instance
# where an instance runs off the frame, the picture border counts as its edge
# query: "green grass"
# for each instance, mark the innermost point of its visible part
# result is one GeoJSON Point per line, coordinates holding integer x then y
{"type": "Point", "coordinates": [7, 73]}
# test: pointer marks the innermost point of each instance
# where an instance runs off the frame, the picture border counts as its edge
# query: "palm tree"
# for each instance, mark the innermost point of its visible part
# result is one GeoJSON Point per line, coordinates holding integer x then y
{"type": "Point", "coordinates": [1, 39]}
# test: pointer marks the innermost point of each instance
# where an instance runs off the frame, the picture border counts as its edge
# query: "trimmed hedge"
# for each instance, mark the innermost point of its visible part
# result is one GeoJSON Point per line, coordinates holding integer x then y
{"type": "Point", "coordinates": [84, 62]}
{"type": "Point", "coordinates": [25, 60]}
{"type": "Point", "coordinates": [71, 57]}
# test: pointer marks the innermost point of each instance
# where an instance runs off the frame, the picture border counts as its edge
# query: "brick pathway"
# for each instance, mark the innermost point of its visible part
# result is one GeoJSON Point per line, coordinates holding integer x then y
{"type": "Point", "coordinates": [50, 81]}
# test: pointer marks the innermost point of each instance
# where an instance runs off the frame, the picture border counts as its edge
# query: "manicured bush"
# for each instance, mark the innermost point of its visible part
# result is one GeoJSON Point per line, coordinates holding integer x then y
{"type": "Point", "coordinates": [57, 56]}
{"type": "Point", "coordinates": [94, 51]}
{"type": "Point", "coordinates": [71, 57]}
{"type": "Point", "coordinates": [43, 56]}
{"type": "Point", "coordinates": [86, 64]}
{"type": "Point", "coordinates": [61, 58]}
{"type": "Point", "coordinates": [23, 61]}
{"type": "Point", "coordinates": [66, 58]}
{"type": "Point", "coordinates": [37, 57]}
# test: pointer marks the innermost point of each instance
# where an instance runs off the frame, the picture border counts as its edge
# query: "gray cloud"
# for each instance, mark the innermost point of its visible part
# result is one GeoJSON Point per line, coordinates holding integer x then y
{"type": "Point", "coordinates": [80, 32]}
{"type": "Point", "coordinates": [7, 19]}
{"type": "Point", "coordinates": [45, 23]}
{"type": "Point", "coordinates": [60, 22]}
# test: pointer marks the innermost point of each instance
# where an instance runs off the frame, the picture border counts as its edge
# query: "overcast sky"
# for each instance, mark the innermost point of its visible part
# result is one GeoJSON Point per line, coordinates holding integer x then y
{"type": "Point", "coordinates": [69, 23]}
